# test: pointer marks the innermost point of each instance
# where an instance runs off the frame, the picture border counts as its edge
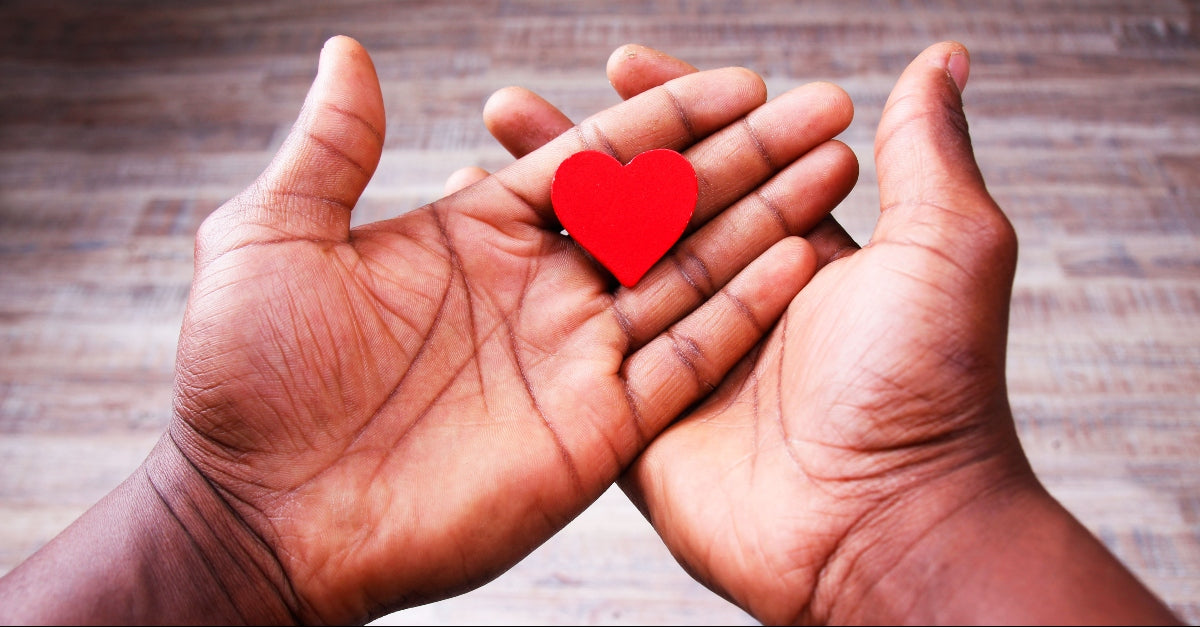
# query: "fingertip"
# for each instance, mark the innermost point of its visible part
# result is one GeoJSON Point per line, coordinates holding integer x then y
{"type": "Point", "coordinates": [824, 109]}
{"type": "Point", "coordinates": [839, 102]}
{"type": "Point", "coordinates": [754, 82]}
{"type": "Point", "coordinates": [779, 273]}
{"type": "Point", "coordinates": [522, 121]}
{"type": "Point", "coordinates": [502, 98]}
{"type": "Point", "coordinates": [841, 166]}
{"type": "Point", "coordinates": [952, 58]}
{"type": "Point", "coordinates": [845, 157]}
{"type": "Point", "coordinates": [633, 69]}
{"type": "Point", "coordinates": [340, 43]}
{"type": "Point", "coordinates": [464, 178]}
{"type": "Point", "coordinates": [800, 256]}
{"type": "Point", "coordinates": [623, 54]}
{"type": "Point", "coordinates": [497, 107]}
{"type": "Point", "coordinates": [343, 60]}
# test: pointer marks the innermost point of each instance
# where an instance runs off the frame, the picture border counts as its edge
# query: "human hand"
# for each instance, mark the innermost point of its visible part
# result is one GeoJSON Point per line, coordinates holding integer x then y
{"type": "Point", "coordinates": [861, 465]}
{"type": "Point", "coordinates": [375, 418]}
{"type": "Point", "coordinates": [878, 404]}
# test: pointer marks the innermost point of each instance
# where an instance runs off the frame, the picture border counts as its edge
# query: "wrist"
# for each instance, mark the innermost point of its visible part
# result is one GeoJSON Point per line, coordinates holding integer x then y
{"type": "Point", "coordinates": [919, 557]}
{"type": "Point", "coordinates": [160, 548]}
{"type": "Point", "coordinates": [983, 544]}
{"type": "Point", "coordinates": [218, 567]}
{"type": "Point", "coordinates": [905, 509]}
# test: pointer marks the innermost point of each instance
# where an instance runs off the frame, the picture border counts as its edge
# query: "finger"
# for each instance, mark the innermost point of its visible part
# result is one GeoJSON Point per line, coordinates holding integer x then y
{"type": "Point", "coordinates": [309, 189]}
{"type": "Point", "coordinates": [730, 165]}
{"type": "Point", "coordinates": [687, 362]}
{"type": "Point", "coordinates": [791, 203]}
{"type": "Point", "coordinates": [633, 69]}
{"type": "Point", "coordinates": [463, 178]}
{"type": "Point", "coordinates": [674, 116]}
{"type": "Point", "coordinates": [746, 155]}
{"type": "Point", "coordinates": [523, 121]}
{"type": "Point", "coordinates": [736, 160]}
{"type": "Point", "coordinates": [743, 141]}
{"type": "Point", "coordinates": [931, 191]}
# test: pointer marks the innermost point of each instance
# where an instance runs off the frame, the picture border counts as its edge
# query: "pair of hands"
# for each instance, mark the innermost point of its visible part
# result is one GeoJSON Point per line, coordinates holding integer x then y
{"type": "Point", "coordinates": [376, 418]}
{"type": "Point", "coordinates": [405, 410]}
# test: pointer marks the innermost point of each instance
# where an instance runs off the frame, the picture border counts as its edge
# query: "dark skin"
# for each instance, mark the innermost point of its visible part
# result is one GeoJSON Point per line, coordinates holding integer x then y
{"type": "Point", "coordinates": [367, 420]}
{"type": "Point", "coordinates": [861, 465]}
{"type": "Point", "coordinates": [371, 419]}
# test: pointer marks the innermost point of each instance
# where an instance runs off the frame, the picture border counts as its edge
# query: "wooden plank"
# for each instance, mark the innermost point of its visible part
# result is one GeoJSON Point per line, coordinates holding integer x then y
{"type": "Point", "coordinates": [124, 123]}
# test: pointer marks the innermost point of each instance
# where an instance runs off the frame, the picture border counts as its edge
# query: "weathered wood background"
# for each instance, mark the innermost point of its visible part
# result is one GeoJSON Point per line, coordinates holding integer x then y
{"type": "Point", "coordinates": [122, 124]}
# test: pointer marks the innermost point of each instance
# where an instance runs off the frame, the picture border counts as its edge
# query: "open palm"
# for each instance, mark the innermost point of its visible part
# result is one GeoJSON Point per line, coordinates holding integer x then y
{"type": "Point", "coordinates": [864, 400]}
{"type": "Point", "coordinates": [882, 386]}
{"type": "Point", "coordinates": [404, 410]}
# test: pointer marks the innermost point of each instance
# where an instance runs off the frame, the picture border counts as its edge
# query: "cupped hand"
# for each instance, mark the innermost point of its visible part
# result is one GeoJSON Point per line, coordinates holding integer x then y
{"type": "Point", "coordinates": [876, 408]}
{"type": "Point", "coordinates": [882, 385]}
{"type": "Point", "coordinates": [398, 412]}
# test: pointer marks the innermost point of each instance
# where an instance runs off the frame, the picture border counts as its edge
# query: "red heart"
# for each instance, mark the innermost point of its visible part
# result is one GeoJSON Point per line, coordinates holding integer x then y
{"type": "Point", "coordinates": [629, 216]}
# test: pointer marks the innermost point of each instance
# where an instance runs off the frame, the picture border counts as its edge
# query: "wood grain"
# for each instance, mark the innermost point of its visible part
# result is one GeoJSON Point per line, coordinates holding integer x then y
{"type": "Point", "coordinates": [122, 124]}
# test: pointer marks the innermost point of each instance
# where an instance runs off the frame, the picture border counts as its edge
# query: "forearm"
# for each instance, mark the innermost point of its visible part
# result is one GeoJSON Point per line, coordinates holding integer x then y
{"type": "Point", "coordinates": [157, 549]}
{"type": "Point", "coordinates": [1013, 556]}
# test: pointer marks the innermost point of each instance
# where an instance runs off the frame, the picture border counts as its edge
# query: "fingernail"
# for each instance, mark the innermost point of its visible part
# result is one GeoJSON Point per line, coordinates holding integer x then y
{"type": "Point", "coordinates": [959, 66]}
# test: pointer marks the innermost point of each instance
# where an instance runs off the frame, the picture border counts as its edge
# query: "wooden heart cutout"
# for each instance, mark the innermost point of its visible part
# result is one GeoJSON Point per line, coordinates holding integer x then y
{"type": "Point", "coordinates": [626, 217]}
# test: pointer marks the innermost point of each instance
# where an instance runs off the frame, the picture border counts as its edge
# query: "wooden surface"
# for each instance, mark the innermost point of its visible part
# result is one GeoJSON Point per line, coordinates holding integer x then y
{"type": "Point", "coordinates": [122, 124]}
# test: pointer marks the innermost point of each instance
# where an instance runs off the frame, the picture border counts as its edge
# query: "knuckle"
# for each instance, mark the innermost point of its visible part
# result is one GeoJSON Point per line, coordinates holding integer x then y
{"type": "Point", "coordinates": [694, 272]}
{"type": "Point", "coordinates": [690, 354]}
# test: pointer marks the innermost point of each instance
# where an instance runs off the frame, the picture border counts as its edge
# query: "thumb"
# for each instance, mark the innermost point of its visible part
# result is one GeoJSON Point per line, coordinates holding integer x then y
{"type": "Point", "coordinates": [314, 181]}
{"type": "Point", "coordinates": [930, 189]}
